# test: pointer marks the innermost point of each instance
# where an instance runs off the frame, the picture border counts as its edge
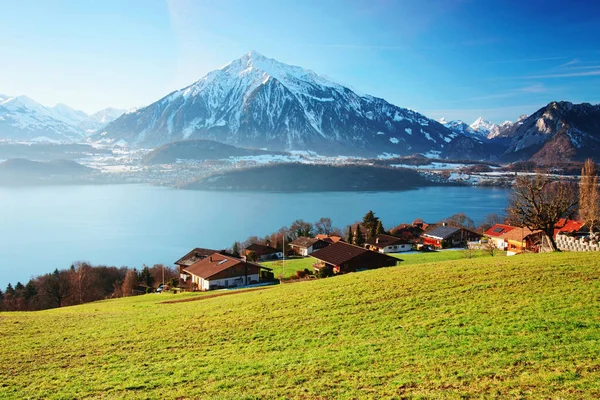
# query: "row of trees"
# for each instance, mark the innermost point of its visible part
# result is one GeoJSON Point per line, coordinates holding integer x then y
{"type": "Point", "coordinates": [81, 283]}
{"type": "Point", "coordinates": [298, 228]}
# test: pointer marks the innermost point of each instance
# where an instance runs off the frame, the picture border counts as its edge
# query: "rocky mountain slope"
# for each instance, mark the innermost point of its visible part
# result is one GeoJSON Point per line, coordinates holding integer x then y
{"type": "Point", "coordinates": [559, 132]}
{"type": "Point", "coordinates": [261, 103]}
{"type": "Point", "coordinates": [506, 129]}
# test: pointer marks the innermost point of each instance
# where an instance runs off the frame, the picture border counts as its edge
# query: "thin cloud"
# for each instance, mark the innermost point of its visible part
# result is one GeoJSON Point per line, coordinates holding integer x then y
{"type": "Point", "coordinates": [525, 60]}
{"type": "Point", "coordinates": [564, 75]}
{"type": "Point", "coordinates": [572, 62]}
{"type": "Point", "coordinates": [586, 67]}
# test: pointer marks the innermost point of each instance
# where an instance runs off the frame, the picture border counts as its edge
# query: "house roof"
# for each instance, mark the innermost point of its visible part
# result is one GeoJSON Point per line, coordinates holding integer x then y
{"type": "Point", "coordinates": [519, 234]}
{"type": "Point", "coordinates": [328, 238]}
{"type": "Point", "coordinates": [303, 241]}
{"type": "Point", "coordinates": [342, 252]}
{"type": "Point", "coordinates": [569, 225]}
{"type": "Point", "coordinates": [499, 230]}
{"type": "Point", "coordinates": [216, 263]}
{"type": "Point", "coordinates": [382, 241]}
{"type": "Point", "coordinates": [261, 249]}
{"type": "Point", "coordinates": [193, 256]}
{"type": "Point", "coordinates": [442, 232]}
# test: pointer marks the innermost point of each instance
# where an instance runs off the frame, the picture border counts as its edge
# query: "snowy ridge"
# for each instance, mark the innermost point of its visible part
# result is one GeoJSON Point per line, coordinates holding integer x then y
{"type": "Point", "coordinates": [22, 118]}
{"type": "Point", "coordinates": [482, 127]}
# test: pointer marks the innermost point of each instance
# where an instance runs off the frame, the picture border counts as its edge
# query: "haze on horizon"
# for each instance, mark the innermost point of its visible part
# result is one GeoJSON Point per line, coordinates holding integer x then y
{"type": "Point", "coordinates": [443, 58]}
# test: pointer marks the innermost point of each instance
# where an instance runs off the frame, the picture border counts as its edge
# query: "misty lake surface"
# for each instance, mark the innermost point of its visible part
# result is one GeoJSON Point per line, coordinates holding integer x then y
{"type": "Point", "coordinates": [43, 228]}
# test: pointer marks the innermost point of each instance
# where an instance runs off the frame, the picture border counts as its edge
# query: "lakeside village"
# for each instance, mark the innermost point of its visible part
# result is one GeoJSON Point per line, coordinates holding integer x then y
{"type": "Point", "coordinates": [294, 254]}
{"type": "Point", "coordinates": [330, 254]}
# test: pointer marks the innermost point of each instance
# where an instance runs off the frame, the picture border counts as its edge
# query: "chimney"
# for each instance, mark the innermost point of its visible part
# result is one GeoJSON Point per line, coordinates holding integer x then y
{"type": "Point", "coordinates": [444, 224]}
{"type": "Point", "coordinates": [377, 240]}
{"type": "Point", "coordinates": [210, 259]}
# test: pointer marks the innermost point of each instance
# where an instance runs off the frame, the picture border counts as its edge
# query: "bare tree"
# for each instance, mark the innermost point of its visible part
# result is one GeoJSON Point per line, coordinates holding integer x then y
{"type": "Point", "coordinates": [460, 220]}
{"type": "Point", "coordinates": [539, 203]}
{"type": "Point", "coordinates": [589, 196]}
{"type": "Point", "coordinates": [489, 221]}
{"type": "Point", "coordinates": [83, 282]}
{"type": "Point", "coordinates": [57, 286]}
{"type": "Point", "coordinates": [130, 282]}
{"type": "Point", "coordinates": [324, 226]}
{"type": "Point", "coordinates": [300, 228]}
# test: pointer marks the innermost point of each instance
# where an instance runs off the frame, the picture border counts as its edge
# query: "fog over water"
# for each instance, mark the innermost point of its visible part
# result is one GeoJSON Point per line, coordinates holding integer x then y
{"type": "Point", "coordinates": [43, 228]}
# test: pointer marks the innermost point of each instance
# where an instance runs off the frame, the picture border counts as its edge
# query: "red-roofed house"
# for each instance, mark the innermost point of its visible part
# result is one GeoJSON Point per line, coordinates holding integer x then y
{"type": "Point", "coordinates": [342, 257]}
{"type": "Point", "coordinates": [497, 235]}
{"type": "Point", "coordinates": [222, 271]}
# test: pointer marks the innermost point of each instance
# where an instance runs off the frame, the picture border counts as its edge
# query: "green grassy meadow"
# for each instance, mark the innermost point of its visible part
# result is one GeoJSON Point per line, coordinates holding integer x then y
{"type": "Point", "coordinates": [506, 327]}
{"type": "Point", "coordinates": [290, 266]}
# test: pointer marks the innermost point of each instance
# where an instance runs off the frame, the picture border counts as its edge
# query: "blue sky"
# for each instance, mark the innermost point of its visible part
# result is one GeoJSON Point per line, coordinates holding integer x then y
{"type": "Point", "coordinates": [443, 58]}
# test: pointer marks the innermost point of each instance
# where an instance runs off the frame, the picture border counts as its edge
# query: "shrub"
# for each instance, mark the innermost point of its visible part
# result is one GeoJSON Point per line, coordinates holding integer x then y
{"type": "Point", "coordinates": [300, 274]}
{"type": "Point", "coordinates": [325, 272]}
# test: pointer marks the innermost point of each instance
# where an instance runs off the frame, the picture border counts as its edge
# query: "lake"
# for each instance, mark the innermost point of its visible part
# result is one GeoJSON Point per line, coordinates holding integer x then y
{"type": "Point", "coordinates": [48, 227]}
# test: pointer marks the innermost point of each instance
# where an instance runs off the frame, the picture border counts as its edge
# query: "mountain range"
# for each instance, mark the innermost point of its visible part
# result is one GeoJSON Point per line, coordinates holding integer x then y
{"type": "Point", "coordinates": [259, 103]}
{"type": "Point", "coordinates": [22, 118]}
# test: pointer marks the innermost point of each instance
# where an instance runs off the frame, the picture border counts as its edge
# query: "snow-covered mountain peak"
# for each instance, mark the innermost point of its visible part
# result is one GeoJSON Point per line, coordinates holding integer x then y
{"type": "Point", "coordinates": [255, 101]}
{"type": "Point", "coordinates": [482, 127]}
{"type": "Point", "coordinates": [254, 69]}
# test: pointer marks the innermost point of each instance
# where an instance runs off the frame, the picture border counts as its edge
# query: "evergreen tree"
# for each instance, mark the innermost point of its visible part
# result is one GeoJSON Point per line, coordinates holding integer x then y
{"type": "Point", "coordinates": [379, 230]}
{"type": "Point", "coordinates": [30, 290]}
{"type": "Point", "coordinates": [359, 239]}
{"type": "Point", "coordinates": [145, 277]}
{"type": "Point", "coordinates": [235, 250]}
{"type": "Point", "coordinates": [10, 291]}
{"type": "Point", "coordinates": [350, 237]}
{"type": "Point", "coordinates": [370, 224]}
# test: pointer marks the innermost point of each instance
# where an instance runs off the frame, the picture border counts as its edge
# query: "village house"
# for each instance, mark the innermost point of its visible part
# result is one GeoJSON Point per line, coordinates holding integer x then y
{"type": "Point", "coordinates": [342, 257]}
{"type": "Point", "coordinates": [224, 271]}
{"type": "Point", "coordinates": [497, 235]}
{"type": "Point", "coordinates": [521, 240]}
{"type": "Point", "coordinates": [190, 258]}
{"type": "Point", "coordinates": [303, 246]}
{"type": "Point", "coordinates": [263, 252]}
{"type": "Point", "coordinates": [388, 244]}
{"type": "Point", "coordinates": [445, 236]}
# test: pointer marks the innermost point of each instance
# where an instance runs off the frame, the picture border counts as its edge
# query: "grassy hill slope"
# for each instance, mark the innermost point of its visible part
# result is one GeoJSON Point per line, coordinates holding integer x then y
{"type": "Point", "coordinates": [525, 326]}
